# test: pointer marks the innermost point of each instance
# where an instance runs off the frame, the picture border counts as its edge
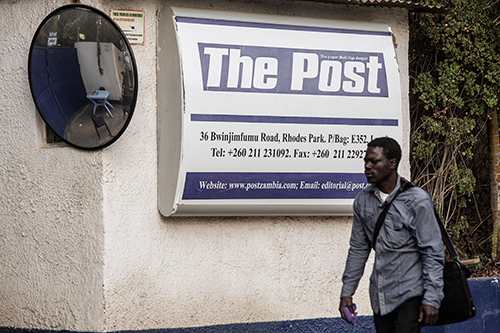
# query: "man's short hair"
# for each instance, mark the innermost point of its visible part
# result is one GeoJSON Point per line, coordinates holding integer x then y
{"type": "Point", "coordinates": [390, 147]}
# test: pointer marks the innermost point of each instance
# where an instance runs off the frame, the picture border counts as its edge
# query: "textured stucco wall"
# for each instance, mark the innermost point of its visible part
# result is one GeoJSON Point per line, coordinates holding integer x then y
{"type": "Point", "coordinates": [51, 201]}
{"type": "Point", "coordinates": [180, 272]}
{"type": "Point", "coordinates": [486, 294]}
{"type": "Point", "coordinates": [82, 245]}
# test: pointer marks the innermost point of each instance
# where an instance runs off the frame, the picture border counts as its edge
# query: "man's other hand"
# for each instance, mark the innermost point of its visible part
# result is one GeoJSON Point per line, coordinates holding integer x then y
{"type": "Point", "coordinates": [429, 315]}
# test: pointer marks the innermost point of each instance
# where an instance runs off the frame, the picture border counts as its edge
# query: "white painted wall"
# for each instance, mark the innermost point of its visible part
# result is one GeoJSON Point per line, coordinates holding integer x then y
{"type": "Point", "coordinates": [82, 245]}
{"type": "Point", "coordinates": [110, 58]}
{"type": "Point", "coordinates": [51, 201]}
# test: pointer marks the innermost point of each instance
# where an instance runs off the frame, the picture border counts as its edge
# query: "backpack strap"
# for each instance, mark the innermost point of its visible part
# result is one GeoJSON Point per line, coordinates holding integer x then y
{"type": "Point", "coordinates": [446, 238]}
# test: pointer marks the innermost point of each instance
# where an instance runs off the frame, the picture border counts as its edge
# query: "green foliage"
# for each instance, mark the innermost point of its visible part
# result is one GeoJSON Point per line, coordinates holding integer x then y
{"type": "Point", "coordinates": [463, 181]}
{"type": "Point", "coordinates": [459, 227]}
{"type": "Point", "coordinates": [421, 148]}
{"type": "Point", "coordinates": [455, 85]}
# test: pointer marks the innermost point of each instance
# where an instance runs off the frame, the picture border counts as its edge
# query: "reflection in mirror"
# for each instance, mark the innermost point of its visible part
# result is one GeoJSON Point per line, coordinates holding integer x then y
{"type": "Point", "coordinates": [83, 76]}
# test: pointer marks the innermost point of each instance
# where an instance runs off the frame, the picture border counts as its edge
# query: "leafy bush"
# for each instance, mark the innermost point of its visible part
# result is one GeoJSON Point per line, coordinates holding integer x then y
{"type": "Point", "coordinates": [455, 91]}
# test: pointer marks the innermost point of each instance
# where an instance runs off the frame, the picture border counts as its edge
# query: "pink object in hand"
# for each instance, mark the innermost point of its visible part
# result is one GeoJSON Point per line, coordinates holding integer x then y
{"type": "Point", "coordinates": [350, 318]}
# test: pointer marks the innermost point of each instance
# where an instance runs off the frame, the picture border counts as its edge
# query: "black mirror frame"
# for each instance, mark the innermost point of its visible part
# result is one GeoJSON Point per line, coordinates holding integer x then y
{"type": "Point", "coordinates": [132, 58]}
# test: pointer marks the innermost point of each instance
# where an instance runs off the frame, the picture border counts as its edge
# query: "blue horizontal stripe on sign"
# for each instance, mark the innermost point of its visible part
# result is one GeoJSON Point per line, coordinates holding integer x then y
{"type": "Point", "coordinates": [293, 120]}
{"type": "Point", "coordinates": [263, 185]}
{"type": "Point", "coordinates": [244, 24]}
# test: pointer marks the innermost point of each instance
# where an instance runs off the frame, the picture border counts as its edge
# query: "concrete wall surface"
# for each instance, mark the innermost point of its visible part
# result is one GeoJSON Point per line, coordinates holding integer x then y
{"type": "Point", "coordinates": [83, 246]}
{"type": "Point", "coordinates": [486, 294]}
{"type": "Point", "coordinates": [51, 201]}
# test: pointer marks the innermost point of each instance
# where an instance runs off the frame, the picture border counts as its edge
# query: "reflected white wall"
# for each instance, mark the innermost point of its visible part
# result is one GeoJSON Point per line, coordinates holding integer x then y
{"type": "Point", "coordinates": [110, 61]}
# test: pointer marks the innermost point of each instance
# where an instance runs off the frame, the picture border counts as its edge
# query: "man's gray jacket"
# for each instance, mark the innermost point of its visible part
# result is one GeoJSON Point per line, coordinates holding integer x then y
{"type": "Point", "coordinates": [409, 253]}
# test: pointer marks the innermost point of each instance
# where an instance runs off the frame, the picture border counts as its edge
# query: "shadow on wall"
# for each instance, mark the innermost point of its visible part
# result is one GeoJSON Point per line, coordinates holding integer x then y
{"type": "Point", "coordinates": [486, 294]}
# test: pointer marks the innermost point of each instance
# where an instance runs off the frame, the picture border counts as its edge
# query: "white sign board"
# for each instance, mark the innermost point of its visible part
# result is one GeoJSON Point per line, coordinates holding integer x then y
{"type": "Point", "coordinates": [277, 112]}
{"type": "Point", "coordinates": [131, 22]}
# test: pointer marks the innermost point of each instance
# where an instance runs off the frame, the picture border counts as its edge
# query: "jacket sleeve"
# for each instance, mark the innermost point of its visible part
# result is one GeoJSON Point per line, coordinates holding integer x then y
{"type": "Point", "coordinates": [359, 250]}
{"type": "Point", "coordinates": [431, 250]}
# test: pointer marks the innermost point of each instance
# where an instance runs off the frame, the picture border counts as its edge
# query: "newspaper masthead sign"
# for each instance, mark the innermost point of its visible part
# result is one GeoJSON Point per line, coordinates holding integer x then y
{"type": "Point", "coordinates": [274, 112]}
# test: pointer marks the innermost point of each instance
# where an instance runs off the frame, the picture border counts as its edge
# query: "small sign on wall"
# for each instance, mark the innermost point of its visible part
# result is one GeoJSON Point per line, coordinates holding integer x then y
{"type": "Point", "coordinates": [270, 115]}
{"type": "Point", "coordinates": [131, 22]}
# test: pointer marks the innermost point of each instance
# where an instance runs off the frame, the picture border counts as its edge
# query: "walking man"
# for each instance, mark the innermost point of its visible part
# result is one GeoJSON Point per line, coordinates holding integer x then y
{"type": "Point", "coordinates": [406, 285]}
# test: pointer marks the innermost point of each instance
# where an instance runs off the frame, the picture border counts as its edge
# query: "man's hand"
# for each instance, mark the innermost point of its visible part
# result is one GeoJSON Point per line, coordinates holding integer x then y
{"type": "Point", "coordinates": [429, 315]}
{"type": "Point", "coordinates": [345, 302]}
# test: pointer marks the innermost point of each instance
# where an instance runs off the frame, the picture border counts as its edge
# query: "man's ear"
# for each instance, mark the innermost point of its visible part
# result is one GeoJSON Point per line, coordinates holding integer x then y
{"type": "Point", "coordinates": [393, 163]}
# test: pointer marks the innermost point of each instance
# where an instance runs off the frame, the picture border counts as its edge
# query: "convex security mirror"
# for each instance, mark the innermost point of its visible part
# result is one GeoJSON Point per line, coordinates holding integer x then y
{"type": "Point", "coordinates": [83, 76]}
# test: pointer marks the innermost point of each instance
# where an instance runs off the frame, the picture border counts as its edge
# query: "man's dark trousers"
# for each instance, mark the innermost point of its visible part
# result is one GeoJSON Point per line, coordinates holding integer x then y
{"type": "Point", "coordinates": [404, 319]}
